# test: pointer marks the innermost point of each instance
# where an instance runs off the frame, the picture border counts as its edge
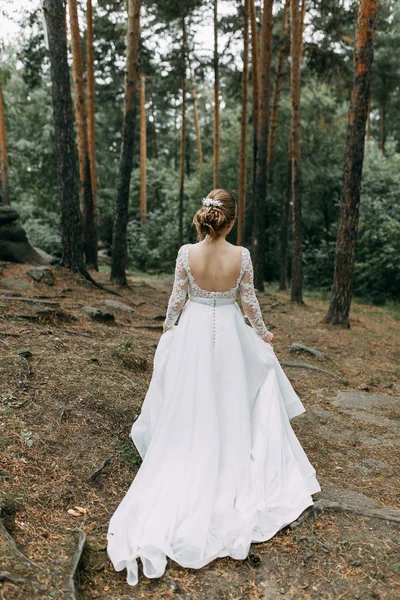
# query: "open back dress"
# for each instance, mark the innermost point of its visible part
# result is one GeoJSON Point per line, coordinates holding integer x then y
{"type": "Point", "coordinates": [222, 466]}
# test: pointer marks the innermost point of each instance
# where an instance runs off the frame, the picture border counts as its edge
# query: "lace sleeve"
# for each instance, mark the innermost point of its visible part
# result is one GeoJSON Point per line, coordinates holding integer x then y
{"type": "Point", "coordinates": [249, 299]}
{"type": "Point", "coordinates": [179, 291]}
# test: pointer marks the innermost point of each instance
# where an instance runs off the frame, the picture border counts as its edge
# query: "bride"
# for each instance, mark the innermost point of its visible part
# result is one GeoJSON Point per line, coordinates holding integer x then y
{"type": "Point", "coordinates": [222, 467]}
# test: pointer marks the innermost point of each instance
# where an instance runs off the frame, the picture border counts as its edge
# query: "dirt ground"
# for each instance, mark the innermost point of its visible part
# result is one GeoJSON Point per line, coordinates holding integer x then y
{"type": "Point", "coordinates": [70, 388]}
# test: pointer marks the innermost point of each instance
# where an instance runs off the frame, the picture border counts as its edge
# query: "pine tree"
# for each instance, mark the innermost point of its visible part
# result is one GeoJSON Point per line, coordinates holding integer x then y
{"type": "Point", "coordinates": [71, 218]}
{"type": "Point", "coordinates": [216, 100]}
{"type": "Point", "coordinates": [296, 47]}
{"type": "Point", "coordinates": [3, 152]}
{"type": "Point", "coordinates": [143, 150]}
{"type": "Point", "coordinates": [88, 212]}
{"type": "Point", "coordinates": [119, 249]}
{"type": "Point", "coordinates": [346, 240]}
{"type": "Point", "coordinates": [259, 231]}
{"type": "Point", "coordinates": [243, 128]}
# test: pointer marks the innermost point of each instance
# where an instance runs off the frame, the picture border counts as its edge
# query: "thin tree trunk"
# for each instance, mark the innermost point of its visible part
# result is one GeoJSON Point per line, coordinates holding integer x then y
{"type": "Point", "coordinates": [346, 241]}
{"type": "Point", "coordinates": [196, 118]}
{"type": "Point", "coordinates": [369, 119]}
{"type": "Point", "coordinates": [243, 128]}
{"type": "Point", "coordinates": [277, 88]}
{"type": "Point", "coordinates": [71, 218]}
{"type": "Point", "coordinates": [91, 101]}
{"type": "Point", "coordinates": [255, 86]}
{"type": "Point", "coordinates": [216, 100]}
{"type": "Point", "coordinates": [89, 220]}
{"type": "Point", "coordinates": [382, 137]}
{"type": "Point", "coordinates": [284, 234]}
{"type": "Point", "coordinates": [259, 231]}
{"type": "Point", "coordinates": [3, 152]}
{"type": "Point", "coordinates": [183, 133]}
{"type": "Point", "coordinates": [143, 151]}
{"type": "Point", "coordinates": [154, 123]}
{"type": "Point", "coordinates": [296, 31]}
{"type": "Point", "coordinates": [119, 249]}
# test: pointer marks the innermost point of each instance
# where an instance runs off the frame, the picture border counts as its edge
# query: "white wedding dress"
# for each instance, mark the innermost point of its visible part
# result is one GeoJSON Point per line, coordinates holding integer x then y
{"type": "Point", "coordinates": [221, 466]}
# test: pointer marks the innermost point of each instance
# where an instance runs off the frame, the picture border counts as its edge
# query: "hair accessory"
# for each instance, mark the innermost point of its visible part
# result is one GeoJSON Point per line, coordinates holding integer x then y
{"type": "Point", "coordinates": [211, 202]}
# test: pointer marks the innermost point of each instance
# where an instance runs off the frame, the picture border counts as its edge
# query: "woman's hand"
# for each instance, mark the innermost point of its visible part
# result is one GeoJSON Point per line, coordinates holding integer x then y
{"type": "Point", "coordinates": [269, 338]}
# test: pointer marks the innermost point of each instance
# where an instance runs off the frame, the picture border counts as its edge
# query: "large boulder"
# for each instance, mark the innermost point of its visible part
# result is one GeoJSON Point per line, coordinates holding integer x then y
{"type": "Point", "coordinates": [14, 244]}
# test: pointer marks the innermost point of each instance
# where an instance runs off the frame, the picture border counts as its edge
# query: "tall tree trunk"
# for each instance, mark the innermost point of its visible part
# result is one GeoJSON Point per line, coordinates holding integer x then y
{"type": "Point", "coordinates": [255, 86]}
{"type": "Point", "coordinates": [119, 249]}
{"type": "Point", "coordinates": [183, 133]}
{"type": "Point", "coordinates": [259, 233]}
{"type": "Point", "coordinates": [154, 123]}
{"type": "Point", "coordinates": [296, 34]}
{"type": "Point", "coordinates": [243, 128]}
{"type": "Point", "coordinates": [346, 241]}
{"type": "Point", "coordinates": [3, 152]}
{"type": "Point", "coordinates": [216, 100]}
{"type": "Point", "coordinates": [369, 119]}
{"type": "Point", "coordinates": [382, 136]}
{"type": "Point", "coordinates": [71, 218]}
{"type": "Point", "coordinates": [284, 233]}
{"type": "Point", "coordinates": [196, 118]}
{"type": "Point", "coordinates": [91, 101]}
{"type": "Point", "coordinates": [88, 213]}
{"type": "Point", "coordinates": [143, 151]}
{"type": "Point", "coordinates": [277, 88]}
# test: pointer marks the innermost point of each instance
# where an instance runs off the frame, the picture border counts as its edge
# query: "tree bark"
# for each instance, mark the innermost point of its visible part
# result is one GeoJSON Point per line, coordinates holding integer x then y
{"type": "Point", "coordinates": [277, 88]}
{"type": "Point", "coordinates": [243, 129]}
{"type": "Point", "coordinates": [259, 231]}
{"type": "Point", "coordinates": [88, 213]}
{"type": "Point", "coordinates": [346, 241]}
{"type": "Point", "coordinates": [255, 86]}
{"type": "Point", "coordinates": [71, 218]}
{"type": "Point", "coordinates": [296, 35]}
{"type": "Point", "coordinates": [143, 151]}
{"type": "Point", "coordinates": [91, 101]}
{"type": "Point", "coordinates": [216, 100]}
{"type": "Point", "coordinates": [369, 119]}
{"type": "Point", "coordinates": [196, 119]}
{"type": "Point", "coordinates": [119, 249]}
{"type": "Point", "coordinates": [284, 234]}
{"type": "Point", "coordinates": [183, 133]}
{"type": "Point", "coordinates": [3, 152]}
{"type": "Point", "coordinates": [382, 136]}
{"type": "Point", "coordinates": [154, 123]}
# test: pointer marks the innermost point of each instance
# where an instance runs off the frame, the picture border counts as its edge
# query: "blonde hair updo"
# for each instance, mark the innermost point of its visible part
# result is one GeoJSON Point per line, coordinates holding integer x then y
{"type": "Point", "coordinates": [211, 220]}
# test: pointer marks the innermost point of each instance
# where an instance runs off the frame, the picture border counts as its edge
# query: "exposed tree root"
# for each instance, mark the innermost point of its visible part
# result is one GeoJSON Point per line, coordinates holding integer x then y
{"type": "Point", "coordinates": [286, 363]}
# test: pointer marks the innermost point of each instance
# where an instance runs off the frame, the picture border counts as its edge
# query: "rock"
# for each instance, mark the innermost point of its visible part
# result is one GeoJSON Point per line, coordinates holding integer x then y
{"type": "Point", "coordinates": [98, 315]}
{"type": "Point", "coordinates": [42, 274]}
{"type": "Point", "coordinates": [119, 306]}
{"type": "Point", "coordinates": [104, 257]}
{"type": "Point", "coordinates": [14, 245]}
{"type": "Point", "coordinates": [297, 347]}
{"type": "Point", "coordinates": [51, 260]}
{"type": "Point", "coordinates": [371, 465]}
{"type": "Point", "coordinates": [25, 353]}
{"type": "Point", "coordinates": [7, 214]}
{"type": "Point", "coordinates": [376, 409]}
{"type": "Point", "coordinates": [15, 284]}
{"type": "Point", "coordinates": [10, 293]}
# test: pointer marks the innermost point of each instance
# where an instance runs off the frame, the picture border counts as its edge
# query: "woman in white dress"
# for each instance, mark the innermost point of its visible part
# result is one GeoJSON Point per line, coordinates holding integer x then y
{"type": "Point", "coordinates": [221, 466]}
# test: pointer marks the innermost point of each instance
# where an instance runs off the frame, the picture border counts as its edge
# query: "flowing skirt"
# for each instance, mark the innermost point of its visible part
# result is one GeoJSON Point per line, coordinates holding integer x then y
{"type": "Point", "coordinates": [221, 466]}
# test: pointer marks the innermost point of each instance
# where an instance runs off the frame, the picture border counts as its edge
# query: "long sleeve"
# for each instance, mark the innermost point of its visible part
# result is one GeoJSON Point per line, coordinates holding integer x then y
{"type": "Point", "coordinates": [249, 299]}
{"type": "Point", "coordinates": [179, 291]}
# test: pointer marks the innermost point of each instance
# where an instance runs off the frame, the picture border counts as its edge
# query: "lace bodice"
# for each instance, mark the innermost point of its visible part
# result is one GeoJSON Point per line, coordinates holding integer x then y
{"type": "Point", "coordinates": [184, 283]}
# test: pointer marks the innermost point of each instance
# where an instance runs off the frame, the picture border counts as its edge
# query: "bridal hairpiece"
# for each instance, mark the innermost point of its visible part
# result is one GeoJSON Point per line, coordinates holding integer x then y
{"type": "Point", "coordinates": [211, 202]}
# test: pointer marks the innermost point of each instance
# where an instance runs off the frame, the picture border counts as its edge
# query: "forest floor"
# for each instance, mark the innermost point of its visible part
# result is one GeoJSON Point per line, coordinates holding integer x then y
{"type": "Point", "coordinates": [70, 388]}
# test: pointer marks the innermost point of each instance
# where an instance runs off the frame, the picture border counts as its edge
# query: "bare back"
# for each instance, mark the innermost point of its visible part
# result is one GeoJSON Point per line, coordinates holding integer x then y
{"type": "Point", "coordinates": [215, 266]}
